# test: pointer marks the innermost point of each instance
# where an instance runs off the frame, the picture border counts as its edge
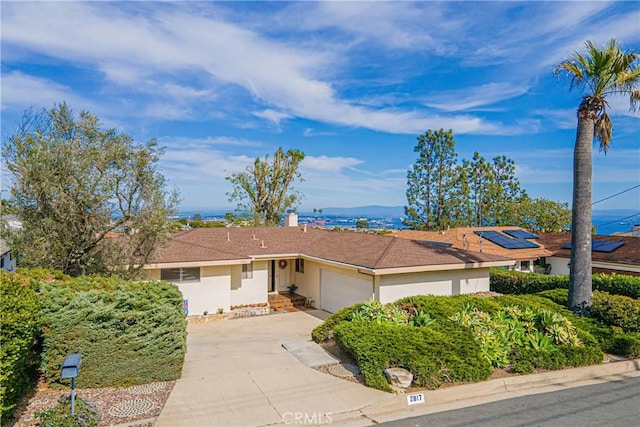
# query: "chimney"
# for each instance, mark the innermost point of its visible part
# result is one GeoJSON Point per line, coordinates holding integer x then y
{"type": "Point", "coordinates": [304, 228]}
{"type": "Point", "coordinates": [262, 244]}
{"type": "Point", "coordinates": [228, 237]}
{"type": "Point", "coordinates": [291, 219]}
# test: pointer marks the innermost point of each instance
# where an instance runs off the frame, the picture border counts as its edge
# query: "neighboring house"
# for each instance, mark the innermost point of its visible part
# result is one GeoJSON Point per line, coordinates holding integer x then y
{"type": "Point", "coordinates": [609, 254]}
{"type": "Point", "coordinates": [514, 243]}
{"type": "Point", "coordinates": [222, 268]}
{"type": "Point", "coordinates": [7, 260]}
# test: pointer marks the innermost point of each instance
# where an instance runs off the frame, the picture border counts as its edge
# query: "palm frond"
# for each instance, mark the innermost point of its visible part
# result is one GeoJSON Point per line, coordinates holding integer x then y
{"type": "Point", "coordinates": [602, 131]}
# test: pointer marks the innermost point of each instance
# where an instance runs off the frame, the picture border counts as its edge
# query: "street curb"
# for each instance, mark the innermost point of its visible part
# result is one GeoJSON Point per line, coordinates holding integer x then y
{"type": "Point", "coordinates": [489, 391]}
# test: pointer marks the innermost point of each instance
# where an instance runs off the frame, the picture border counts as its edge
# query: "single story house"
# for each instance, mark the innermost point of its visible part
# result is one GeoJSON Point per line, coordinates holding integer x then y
{"type": "Point", "coordinates": [542, 252]}
{"type": "Point", "coordinates": [609, 254]}
{"type": "Point", "coordinates": [7, 259]}
{"type": "Point", "coordinates": [514, 243]}
{"type": "Point", "coordinates": [224, 268]}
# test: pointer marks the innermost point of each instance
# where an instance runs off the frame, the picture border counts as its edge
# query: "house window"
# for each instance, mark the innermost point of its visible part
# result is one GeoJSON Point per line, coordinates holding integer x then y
{"type": "Point", "coordinates": [180, 275]}
{"type": "Point", "coordinates": [299, 265]}
{"type": "Point", "coordinates": [247, 271]}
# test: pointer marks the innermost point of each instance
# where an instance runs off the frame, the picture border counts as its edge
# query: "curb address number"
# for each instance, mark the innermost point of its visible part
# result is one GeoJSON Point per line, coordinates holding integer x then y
{"type": "Point", "coordinates": [414, 399]}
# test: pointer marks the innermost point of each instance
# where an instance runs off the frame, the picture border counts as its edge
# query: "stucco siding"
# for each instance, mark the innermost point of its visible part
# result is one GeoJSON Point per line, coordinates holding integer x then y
{"type": "Point", "coordinates": [211, 293]}
{"type": "Point", "coordinates": [251, 290]}
{"type": "Point", "coordinates": [393, 287]}
{"type": "Point", "coordinates": [309, 282]}
{"type": "Point", "coordinates": [558, 265]}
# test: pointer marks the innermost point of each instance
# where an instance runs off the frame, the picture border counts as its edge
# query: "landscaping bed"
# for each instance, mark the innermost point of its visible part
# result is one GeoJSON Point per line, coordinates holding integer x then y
{"type": "Point", "coordinates": [116, 405]}
{"type": "Point", "coordinates": [445, 341]}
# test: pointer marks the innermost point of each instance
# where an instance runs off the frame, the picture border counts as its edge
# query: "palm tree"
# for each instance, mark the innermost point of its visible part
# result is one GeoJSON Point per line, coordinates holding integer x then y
{"type": "Point", "coordinates": [601, 72]}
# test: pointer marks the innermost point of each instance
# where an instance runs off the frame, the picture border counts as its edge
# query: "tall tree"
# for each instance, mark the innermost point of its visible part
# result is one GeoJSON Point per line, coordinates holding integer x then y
{"type": "Point", "coordinates": [503, 192]}
{"type": "Point", "coordinates": [600, 72]}
{"type": "Point", "coordinates": [431, 182]}
{"type": "Point", "coordinates": [477, 173]}
{"type": "Point", "coordinates": [542, 215]}
{"type": "Point", "coordinates": [75, 185]}
{"type": "Point", "coordinates": [264, 188]}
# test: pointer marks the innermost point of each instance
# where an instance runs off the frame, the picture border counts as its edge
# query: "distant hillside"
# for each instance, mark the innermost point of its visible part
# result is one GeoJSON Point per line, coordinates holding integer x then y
{"type": "Point", "coordinates": [366, 211]}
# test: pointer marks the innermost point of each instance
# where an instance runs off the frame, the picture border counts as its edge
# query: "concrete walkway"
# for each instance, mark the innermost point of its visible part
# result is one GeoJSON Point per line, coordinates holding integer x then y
{"type": "Point", "coordinates": [238, 373]}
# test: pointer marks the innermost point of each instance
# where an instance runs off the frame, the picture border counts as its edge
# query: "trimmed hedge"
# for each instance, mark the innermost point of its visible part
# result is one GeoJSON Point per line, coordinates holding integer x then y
{"type": "Point", "coordinates": [20, 326]}
{"type": "Point", "coordinates": [127, 332]}
{"type": "Point", "coordinates": [616, 310]}
{"type": "Point", "coordinates": [321, 332]}
{"type": "Point", "coordinates": [439, 353]}
{"type": "Point", "coordinates": [515, 282]}
{"type": "Point", "coordinates": [617, 284]}
{"type": "Point", "coordinates": [626, 345]}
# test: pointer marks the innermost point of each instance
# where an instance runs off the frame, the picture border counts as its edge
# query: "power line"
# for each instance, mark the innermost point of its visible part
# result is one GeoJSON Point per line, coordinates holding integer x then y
{"type": "Point", "coordinates": [617, 194]}
{"type": "Point", "coordinates": [620, 219]}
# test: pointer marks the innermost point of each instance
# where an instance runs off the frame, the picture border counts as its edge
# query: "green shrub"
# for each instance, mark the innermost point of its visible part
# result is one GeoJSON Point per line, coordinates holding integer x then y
{"type": "Point", "coordinates": [627, 345]}
{"type": "Point", "coordinates": [444, 352]}
{"type": "Point", "coordinates": [616, 310]}
{"type": "Point", "coordinates": [20, 326]}
{"type": "Point", "coordinates": [515, 282]}
{"type": "Point", "coordinates": [127, 333]}
{"type": "Point", "coordinates": [374, 311]}
{"type": "Point", "coordinates": [321, 332]}
{"type": "Point", "coordinates": [559, 296]}
{"type": "Point", "coordinates": [617, 284]}
{"type": "Point", "coordinates": [86, 414]}
{"type": "Point", "coordinates": [444, 307]}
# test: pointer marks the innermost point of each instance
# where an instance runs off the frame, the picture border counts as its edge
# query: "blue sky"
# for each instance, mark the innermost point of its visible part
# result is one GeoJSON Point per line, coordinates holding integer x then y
{"type": "Point", "coordinates": [352, 84]}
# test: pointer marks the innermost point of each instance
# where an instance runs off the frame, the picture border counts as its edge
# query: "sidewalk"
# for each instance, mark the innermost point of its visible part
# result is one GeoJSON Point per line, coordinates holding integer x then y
{"type": "Point", "coordinates": [488, 391]}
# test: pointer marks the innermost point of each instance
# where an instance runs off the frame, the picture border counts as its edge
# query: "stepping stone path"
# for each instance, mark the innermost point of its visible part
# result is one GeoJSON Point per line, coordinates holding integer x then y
{"type": "Point", "coordinates": [136, 406]}
{"type": "Point", "coordinates": [132, 407]}
{"type": "Point", "coordinates": [344, 370]}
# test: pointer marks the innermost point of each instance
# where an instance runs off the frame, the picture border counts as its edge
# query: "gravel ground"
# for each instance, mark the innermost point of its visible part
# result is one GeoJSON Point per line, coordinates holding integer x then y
{"type": "Point", "coordinates": [116, 405]}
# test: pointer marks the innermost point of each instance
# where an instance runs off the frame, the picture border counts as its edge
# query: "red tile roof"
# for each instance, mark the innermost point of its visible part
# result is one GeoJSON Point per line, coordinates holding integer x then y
{"type": "Point", "coordinates": [353, 248]}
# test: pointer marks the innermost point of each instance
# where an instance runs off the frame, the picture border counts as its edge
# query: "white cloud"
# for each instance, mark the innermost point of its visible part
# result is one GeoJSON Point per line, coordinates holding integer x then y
{"type": "Point", "coordinates": [274, 116]}
{"type": "Point", "coordinates": [328, 164]}
{"type": "Point", "coordinates": [130, 48]}
{"type": "Point", "coordinates": [22, 91]}
{"type": "Point", "coordinates": [472, 97]}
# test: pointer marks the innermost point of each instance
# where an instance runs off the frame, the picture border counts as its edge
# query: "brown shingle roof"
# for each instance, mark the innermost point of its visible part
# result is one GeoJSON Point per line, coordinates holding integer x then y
{"type": "Point", "coordinates": [629, 253]}
{"type": "Point", "coordinates": [457, 236]}
{"type": "Point", "coordinates": [358, 249]}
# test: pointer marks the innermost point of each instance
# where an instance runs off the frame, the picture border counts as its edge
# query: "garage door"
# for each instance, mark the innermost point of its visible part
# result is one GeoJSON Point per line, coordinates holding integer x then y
{"type": "Point", "coordinates": [339, 290]}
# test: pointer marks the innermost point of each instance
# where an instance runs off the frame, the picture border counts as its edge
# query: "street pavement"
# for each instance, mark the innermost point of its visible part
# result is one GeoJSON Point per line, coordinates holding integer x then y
{"type": "Point", "coordinates": [239, 373]}
{"type": "Point", "coordinates": [611, 404]}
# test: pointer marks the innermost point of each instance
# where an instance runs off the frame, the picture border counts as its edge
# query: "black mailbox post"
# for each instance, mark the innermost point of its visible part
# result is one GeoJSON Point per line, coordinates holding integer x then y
{"type": "Point", "coordinates": [71, 369]}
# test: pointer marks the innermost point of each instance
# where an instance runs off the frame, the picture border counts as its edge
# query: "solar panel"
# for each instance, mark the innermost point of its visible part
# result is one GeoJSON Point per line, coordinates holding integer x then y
{"type": "Point", "coordinates": [521, 234]}
{"type": "Point", "coordinates": [432, 242]}
{"type": "Point", "coordinates": [599, 245]}
{"type": "Point", "coordinates": [506, 241]}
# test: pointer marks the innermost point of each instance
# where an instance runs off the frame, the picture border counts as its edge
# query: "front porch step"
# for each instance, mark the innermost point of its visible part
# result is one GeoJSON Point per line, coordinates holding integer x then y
{"type": "Point", "coordinates": [286, 300]}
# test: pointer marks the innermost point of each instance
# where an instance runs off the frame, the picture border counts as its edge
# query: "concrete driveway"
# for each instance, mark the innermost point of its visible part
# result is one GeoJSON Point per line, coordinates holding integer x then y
{"type": "Point", "coordinates": [236, 373]}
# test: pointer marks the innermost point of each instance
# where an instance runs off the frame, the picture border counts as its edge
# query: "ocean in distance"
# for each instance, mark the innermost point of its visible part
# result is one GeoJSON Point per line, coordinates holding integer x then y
{"type": "Point", "coordinates": [605, 224]}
